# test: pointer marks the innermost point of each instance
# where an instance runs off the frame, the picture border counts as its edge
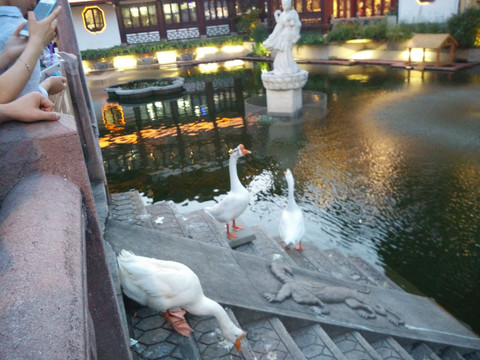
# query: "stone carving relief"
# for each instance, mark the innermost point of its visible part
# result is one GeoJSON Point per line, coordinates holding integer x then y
{"type": "Point", "coordinates": [316, 293]}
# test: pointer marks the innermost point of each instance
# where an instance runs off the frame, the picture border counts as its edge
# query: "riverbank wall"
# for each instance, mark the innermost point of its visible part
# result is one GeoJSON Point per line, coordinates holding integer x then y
{"type": "Point", "coordinates": [350, 52]}
{"type": "Point", "coordinates": [58, 297]}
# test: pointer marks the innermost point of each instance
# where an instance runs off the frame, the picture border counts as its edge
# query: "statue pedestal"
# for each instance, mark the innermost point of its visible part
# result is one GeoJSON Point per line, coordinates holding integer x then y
{"type": "Point", "coordinates": [284, 92]}
{"type": "Point", "coordinates": [284, 101]}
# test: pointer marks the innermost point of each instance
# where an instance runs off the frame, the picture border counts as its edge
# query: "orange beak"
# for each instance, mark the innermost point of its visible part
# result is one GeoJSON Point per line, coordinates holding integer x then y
{"type": "Point", "coordinates": [237, 343]}
{"type": "Point", "coordinates": [244, 151]}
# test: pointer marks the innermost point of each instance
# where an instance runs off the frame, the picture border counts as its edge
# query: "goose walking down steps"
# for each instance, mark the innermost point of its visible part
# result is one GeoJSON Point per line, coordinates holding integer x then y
{"type": "Point", "coordinates": [167, 285]}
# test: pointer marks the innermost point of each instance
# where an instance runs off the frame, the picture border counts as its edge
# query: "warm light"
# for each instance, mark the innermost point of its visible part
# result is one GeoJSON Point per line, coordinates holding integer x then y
{"type": "Point", "coordinates": [152, 135]}
{"type": "Point", "coordinates": [358, 41]}
{"type": "Point", "coordinates": [124, 62]}
{"type": "Point", "coordinates": [204, 51]}
{"type": "Point", "coordinates": [92, 27]}
{"type": "Point", "coordinates": [232, 48]}
{"type": "Point", "coordinates": [425, 2]}
{"type": "Point", "coordinates": [416, 55]}
{"type": "Point", "coordinates": [113, 118]}
{"type": "Point", "coordinates": [206, 68]}
{"type": "Point", "coordinates": [362, 55]}
{"type": "Point", "coordinates": [166, 57]}
{"type": "Point", "coordinates": [233, 63]}
{"type": "Point", "coordinates": [358, 77]}
{"type": "Point", "coordinates": [86, 67]}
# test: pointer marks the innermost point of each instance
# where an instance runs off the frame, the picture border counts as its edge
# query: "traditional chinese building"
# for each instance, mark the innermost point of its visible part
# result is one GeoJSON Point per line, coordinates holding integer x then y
{"type": "Point", "coordinates": [106, 23]}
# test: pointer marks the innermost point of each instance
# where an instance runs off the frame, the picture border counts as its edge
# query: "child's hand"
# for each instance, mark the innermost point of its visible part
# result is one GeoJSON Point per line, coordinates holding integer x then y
{"type": "Point", "coordinates": [54, 84]}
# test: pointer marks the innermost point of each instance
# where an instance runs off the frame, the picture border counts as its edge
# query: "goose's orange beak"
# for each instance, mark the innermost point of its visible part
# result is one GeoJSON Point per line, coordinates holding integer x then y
{"type": "Point", "coordinates": [237, 343]}
{"type": "Point", "coordinates": [244, 151]}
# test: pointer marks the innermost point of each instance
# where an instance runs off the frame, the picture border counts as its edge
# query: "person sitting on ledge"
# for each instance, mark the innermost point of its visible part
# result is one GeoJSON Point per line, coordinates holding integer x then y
{"type": "Point", "coordinates": [28, 108]}
{"type": "Point", "coordinates": [19, 57]}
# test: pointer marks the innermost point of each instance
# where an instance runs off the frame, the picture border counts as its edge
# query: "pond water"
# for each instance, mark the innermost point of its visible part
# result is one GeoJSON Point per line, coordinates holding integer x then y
{"type": "Point", "coordinates": [391, 172]}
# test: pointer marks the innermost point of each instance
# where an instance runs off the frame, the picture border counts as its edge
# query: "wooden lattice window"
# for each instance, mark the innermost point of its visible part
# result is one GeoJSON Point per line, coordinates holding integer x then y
{"type": "Point", "coordinates": [93, 19]}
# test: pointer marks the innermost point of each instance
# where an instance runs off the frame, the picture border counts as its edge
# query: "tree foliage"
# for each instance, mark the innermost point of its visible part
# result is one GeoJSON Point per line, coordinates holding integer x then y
{"type": "Point", "coordinates": [464, 27]}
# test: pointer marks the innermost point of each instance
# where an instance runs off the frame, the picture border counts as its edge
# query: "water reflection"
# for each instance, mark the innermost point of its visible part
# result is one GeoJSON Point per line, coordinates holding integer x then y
{"type": "Point", "coordinates": [391, 173]}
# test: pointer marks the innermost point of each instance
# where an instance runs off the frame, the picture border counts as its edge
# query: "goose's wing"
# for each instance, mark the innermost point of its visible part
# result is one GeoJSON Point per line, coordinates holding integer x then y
{"type": "Point", "coordinates": [231, 206]}
{"type": "Point", "coordinates": [158, 284]}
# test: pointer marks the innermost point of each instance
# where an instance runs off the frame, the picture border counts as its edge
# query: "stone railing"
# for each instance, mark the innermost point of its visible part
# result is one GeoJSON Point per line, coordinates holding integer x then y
{"type": "Point", "coordinates": [58, 298]}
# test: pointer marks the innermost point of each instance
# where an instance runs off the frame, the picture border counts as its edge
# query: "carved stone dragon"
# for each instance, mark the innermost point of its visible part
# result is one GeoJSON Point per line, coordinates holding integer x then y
{"type": "Point", "coordinates": [315, 293]}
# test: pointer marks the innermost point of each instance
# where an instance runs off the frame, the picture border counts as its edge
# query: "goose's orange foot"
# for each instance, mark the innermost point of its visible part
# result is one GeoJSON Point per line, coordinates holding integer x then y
{"type": "Point", "coordinates": [176, 319]}
{"type": "Point", "coordinates": [299, 247]}
{"type": "Point", "coordinates": [236, 227]}
{"type": "Point", "coordinates": [286, 246]}
{"type": "Point", "coordinates": [229, 234]}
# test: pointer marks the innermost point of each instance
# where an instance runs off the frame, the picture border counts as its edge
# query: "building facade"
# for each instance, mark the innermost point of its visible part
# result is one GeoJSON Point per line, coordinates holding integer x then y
{"type": "Point", "coordinates": [106, 23]}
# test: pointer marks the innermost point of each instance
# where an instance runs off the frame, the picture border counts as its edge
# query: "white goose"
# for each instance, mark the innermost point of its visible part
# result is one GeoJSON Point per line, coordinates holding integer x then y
{"type": "Point", "coordinates": [292, 226]}
{"type": "Point", "coordinates": [163, 285]}
{"type": "Point", "coordinates": [237, 199]}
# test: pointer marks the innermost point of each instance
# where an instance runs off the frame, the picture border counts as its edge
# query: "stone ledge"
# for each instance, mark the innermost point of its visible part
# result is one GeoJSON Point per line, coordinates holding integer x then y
{"type": "Point", "coordinates": [44, 306]}
{"type": "Point", "coordinates": [55, 148]}
{"type": "Point", "coordinates": [48, 147]}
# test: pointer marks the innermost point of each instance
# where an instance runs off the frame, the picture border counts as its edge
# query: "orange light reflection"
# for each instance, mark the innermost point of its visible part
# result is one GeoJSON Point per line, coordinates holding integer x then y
{"type": "Point", "coordinates": [190, 129]}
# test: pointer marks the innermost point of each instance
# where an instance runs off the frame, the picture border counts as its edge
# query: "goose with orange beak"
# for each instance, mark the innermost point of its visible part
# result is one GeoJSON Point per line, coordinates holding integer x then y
{"type": "Point", "coordinates": [237, 199]}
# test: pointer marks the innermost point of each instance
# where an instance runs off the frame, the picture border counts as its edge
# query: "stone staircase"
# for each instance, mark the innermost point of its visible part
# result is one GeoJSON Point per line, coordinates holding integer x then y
{"type": "Point", "coordinates": [269, 335]}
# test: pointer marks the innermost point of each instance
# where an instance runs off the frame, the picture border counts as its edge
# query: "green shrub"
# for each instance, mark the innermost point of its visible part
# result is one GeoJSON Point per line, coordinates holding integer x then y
{"type": "Point", "coordinates": [258, 50]}
{"type": "Point", "coordinates": [311, 38]}
{"type": "Point", "coordinates": [247, 23]}
{"type": "Point", "coordinates": [343, 32]}
{"type": "Point", "coordinates": [148, 48]}
{"type": "Point", "coordinates": [463, 27]}
{"type": "Point", "coordinates": [430, 28]}
{"type": "Point", "coordinates": [259, 34]}
{"type": "Point", "coordinates": [375, 32]}
{"type": "Point", "coordinates": [399, 32]}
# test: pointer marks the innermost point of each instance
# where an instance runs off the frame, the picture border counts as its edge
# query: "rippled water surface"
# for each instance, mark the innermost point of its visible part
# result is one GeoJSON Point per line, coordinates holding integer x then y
{"type": "Point", "coordinates": [392, 172]}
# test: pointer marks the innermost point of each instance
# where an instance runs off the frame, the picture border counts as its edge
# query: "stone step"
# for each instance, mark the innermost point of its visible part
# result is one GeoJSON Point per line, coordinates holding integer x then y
{"type": "Point", "coordinates": [451, 354]}
{"type": "Point", "coordinates": [265, 246]}
{"type": "Point", "coordinates": [153, 338]}
{"type": "Point", "coordinates": [270, 340]}
{"type": "Point", "coordinates": [389, 348]}
{"type": "Point", "coordinates": [330, 262]}
{"type": "Point", "coordinates": [128, 207]}
{"type": "Point", "coordinates": [373, 273]}
{"type": "Point", "coordinates": [204, 228]}
{"type": "Point", "coordinates": [165, 217]}
{"type": "Point", "coordinates": [198, 225]}
{"type": "Point", "coordinates": [354, 346]}
{"type": "Point", "coordinates": [316, 344]}
{"type": "Point", "coordinates": [423, 352]}
{"type": "Point", "coordinates": [354, 273]}
{"type": "Point", "coordinates": [474, 355]}
{"type": "Point", "coordinates": [212, 344]}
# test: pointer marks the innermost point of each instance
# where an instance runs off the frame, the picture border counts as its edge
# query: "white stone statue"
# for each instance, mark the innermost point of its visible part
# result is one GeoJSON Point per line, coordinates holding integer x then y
{"type": "Point", "coordinates": [282, 39]}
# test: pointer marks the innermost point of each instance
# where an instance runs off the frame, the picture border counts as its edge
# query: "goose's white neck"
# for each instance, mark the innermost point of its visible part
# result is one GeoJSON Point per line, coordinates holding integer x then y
{"type": "Point", "coordinates": [235, 183]}
{"type": "Point", "coordinates": [291, 190]}
{"type": "Point", "coordinates": [229, 329]}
